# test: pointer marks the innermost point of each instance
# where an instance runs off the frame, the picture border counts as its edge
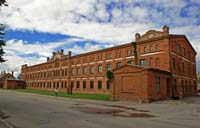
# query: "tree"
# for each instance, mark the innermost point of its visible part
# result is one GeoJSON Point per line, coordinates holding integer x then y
{"type": "Point", "coordinates": [198, 77]}
{"type": "Point", "coordinates": [2, 27]}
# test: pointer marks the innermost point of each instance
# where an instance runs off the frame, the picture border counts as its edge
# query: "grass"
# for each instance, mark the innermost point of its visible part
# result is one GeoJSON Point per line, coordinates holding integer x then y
{"type": "Point", "coordinates": [64, 94]}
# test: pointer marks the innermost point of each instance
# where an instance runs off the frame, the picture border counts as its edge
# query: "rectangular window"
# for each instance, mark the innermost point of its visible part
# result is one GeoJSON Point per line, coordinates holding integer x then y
{"type": "Point", "coordinates": [99, 84]}
{"type": "Point", "coordinates": [178, 48]}
{"type": "Point", "coordinates": [157, 48]}
{"type": "Point", "coordinates": [99, 68]}
{"type": "Point", "coordinates": [151, 62]}
{"type": "Point", "coordinates": [84, 70]}
{"type": "Point", "coordinates": [145, 49]}
{"type": "Point", "coordinates": [84, 84]}
{"type": "Point", "coordinates": [91, 84]}
{"type": "Point", "coordinates": [175, 85]}
{"type": "Point", "coordinates": [109, 67]}
{"type": "Point", "coordinates": [92, 70]}
{"type": "Point", "coordinates": [157, 64]}
{"type": "Point", "coordinates": [99, 57]}
{"type": "Point", "coordinates": [151, 48]}
{"type": "Point", "coordinates": [118, 64]}
{"type": "Point", "coordinates": [158, 85]}
{"type": "Point", "coordinates": [72, 84]}
{"type": "Point", "coordinates": [107, 85]}
{"type": "Point", "coordinates": [78, 71]}
{"type": "Point", "coordinates": [143, 62]}
{"type": "Point", "coordinates": [77, 84]}
{"type": "Point", "coordinates": [174, 63]}
{"type": "Point", "coordinates": [183, 51]}
{"type": "Point", "coordinates": [73, 71]}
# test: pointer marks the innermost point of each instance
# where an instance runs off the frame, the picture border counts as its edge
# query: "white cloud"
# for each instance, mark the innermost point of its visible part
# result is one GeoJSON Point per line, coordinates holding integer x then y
{"type": "Point", "coordinates": [120, 19]}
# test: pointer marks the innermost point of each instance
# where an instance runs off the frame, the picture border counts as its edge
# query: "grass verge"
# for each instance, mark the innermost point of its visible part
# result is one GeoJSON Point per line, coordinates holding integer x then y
{"type": "Point", "coordinates": [64, 94]}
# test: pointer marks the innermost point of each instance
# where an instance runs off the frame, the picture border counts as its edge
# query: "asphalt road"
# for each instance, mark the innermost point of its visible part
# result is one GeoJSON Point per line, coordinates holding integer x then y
{"type": "Point", "coordinates": [22, 110]}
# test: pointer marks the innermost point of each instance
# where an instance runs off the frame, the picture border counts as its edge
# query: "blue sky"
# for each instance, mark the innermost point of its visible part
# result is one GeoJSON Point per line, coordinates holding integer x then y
{"type": "Point", "coordinates": [36, 28]}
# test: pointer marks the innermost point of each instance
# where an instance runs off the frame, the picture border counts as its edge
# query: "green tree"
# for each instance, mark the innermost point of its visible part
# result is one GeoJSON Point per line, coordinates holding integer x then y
{"type": "Point", "coordinates": [198, 77]}
{"type": "Point", "coordinates": [2, 27]}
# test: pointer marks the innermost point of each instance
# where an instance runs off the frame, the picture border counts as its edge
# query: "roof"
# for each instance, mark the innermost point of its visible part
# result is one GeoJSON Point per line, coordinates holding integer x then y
{"type": "Point", "coordinates": [143, 67]}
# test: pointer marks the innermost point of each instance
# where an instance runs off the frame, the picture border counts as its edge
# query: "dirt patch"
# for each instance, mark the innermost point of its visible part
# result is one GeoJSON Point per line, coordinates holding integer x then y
{"type": "Point", "coordinates": [112, 112]}
{"type": "Point", "coordinates": [128, 108]}
{"type": "Point", "coordinates": [3, 115]}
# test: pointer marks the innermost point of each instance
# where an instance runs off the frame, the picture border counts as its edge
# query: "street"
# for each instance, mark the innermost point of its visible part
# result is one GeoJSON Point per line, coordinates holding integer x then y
{"type": "Point", "coordinates": [23, 110]}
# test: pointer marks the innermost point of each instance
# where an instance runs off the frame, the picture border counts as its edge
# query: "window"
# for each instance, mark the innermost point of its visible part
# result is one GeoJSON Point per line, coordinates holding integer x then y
{"type": "Point", "coordinates": [158, 85]}
{"type": "Point", "coordinates": [84, 70]}
{"type": "Point", "coordinates": [145, 49]}
{"type": "Point", "coordinates": [178, 48]}
{"type": "Point", "coordinates": [143, 62]}
{"type": "Point", "coordinates": [175, 85]}
{"type": "Point", "coordinates": [78, 71]}
{"type": "Point", "coordinates": [108, 56]}
{"type": "Point", "coordinates": [151, 62]}
{"type": "Point", "coordinates": [84, 84]}
{"type": "Point", "coordinates": [65, 72]}
{"type": "Point", "coordinates": [129, 62]}
{"type": "Point", "coordinates": [157, 62]}
{"type": "Point", "coordinates": [99, 57]}
{"type": "Point", "coordinates": [73, 71]}
{"type": "Point", "coordinates": [157, 48]}
{"type": "Point", "coordinates": [77, 84]}
{"type": "Point", "coordinates": [91, 59]}
{"type": "Point", "coordinates": [91, 84]}
{"type": "Point", "coordinates": [118, 54]}
{"type": "Point", "coordinates": [92, 69]}
{"type": "Point", "coordinates": [99, 84]}
{"type": "Point", "coordinates": [72, 84]}
{"type": "Point", "coordinates": [150, 48]}
{"type": "Point", "coordinates": [183, 67]}
{"type": "Point", "coordinates": [107, 85]}
{"type": "Point", "coordinates": [173, 63]}
{"type": "Point", "coordinates": [118, 64]}
{"type": "Point", "coordinates": [183, 51]}
{"type": "Point", "coordinates": [109, 67]}
{"type": "Point", "coordinates": [99, 68]}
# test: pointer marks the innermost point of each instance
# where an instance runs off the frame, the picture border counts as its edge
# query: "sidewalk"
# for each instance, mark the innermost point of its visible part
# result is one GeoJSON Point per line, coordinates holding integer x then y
{"type": "Point", "coordinates": [3, 124]}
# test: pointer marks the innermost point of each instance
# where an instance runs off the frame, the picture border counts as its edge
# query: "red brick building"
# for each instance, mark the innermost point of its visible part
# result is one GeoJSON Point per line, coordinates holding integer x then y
{"type": "Point", "coordinates": [86, 73]}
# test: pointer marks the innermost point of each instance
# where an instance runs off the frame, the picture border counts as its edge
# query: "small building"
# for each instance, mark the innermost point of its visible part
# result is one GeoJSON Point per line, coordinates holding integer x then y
{"type": "Point", "coordinates": [142, 84]}
{"type": "Point", "coordinates": [11, 83]}
{"type": "Point", "coordinates": [8, 81]}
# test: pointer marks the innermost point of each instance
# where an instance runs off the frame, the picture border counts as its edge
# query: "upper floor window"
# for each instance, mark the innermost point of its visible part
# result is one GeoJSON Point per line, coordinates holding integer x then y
{"type": "Point", "coordinates": [109, 67]}
{"type": "Point", "coordinates": [108, 56]}
{"type": "Point", "coordinates": [99, 57]}
{"type": "Point", "coordinates": [84, 70]}
{"type": "Point", "coordinates": [129, 62]}
{"type": "Point", "coordinates": [118, 54]}
{"type": "Point", "coordinates": [73, 71]}
{"type": "Point", "coordinates": [91, 59]}
{"type": "Point", "coordinates": [150, 48]}
{"type": "Point", "coordinates": [78, 71]}
{"type": "Point", "coordinates": [118, 64]}
{"type": "Point", "coordinates": [145, 49]}
{"type": "Point", "coordinates": [173, 63]}
{"type": "Point", "coordinates": [99, 68]}
{"type": "Point", "coordinates": [178, 48]}
{"type": "Point", "coordinates": [183, 51]}
{"type": "Point", "coordinates": [143, 62]}
{"type": "Point", "coordinates": [92, 69]}
{"type": "Point", "coordinates": [157, 47]}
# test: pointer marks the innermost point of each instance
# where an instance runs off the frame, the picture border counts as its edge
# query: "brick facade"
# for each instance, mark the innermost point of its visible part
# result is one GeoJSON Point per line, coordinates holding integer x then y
{"type": "Point", "coordinates": [86, 73]}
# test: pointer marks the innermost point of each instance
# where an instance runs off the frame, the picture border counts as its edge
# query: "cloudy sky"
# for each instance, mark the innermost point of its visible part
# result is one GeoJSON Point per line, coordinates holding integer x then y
{"type": "Point", "coordinates": [36, 28]}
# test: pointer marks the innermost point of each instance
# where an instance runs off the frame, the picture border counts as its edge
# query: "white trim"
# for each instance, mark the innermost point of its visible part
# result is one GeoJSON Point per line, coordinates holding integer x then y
{"type": "Point", "coordinates": [130, 57]}
{"type": "Point", "coordinates": [119, 59]}
{"type": "Point", "coordinates": [92, 63]}
{"type": "Point", "coordinates": [99, 77]}
{"type": "Point", "coordinates": [180, 76]}
{"type": "Point", "coordinates": [78, 65]}
{"type": "Point", "coordinates": [149, 54]}
{"type": "Point", "coordinates": [84, 78]}
{"type": "Point", "coordinates": [91, 78]}
{"type": "Point", "coordinates": [182, 57]}
{"type": "Point", "coordinates": [85, 64]}
{"type": "Point", "coordinates": [100, 62]}
{"type": "Point", "coordinates": [108, 60]}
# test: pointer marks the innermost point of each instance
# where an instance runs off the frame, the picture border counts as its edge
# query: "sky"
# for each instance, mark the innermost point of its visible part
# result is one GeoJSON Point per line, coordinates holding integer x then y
{"type": "Point", "coordinates": [36, 28]}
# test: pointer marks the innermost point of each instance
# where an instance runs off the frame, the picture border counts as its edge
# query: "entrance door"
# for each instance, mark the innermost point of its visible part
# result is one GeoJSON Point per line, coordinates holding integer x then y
{"type": "Point", "coordinates": [168, 87]}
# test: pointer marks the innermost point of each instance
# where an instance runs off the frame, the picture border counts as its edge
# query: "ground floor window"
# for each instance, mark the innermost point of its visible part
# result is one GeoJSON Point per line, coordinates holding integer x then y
{"type": "Point", "coordinates": [107, 84]}
{"type": "Point", "coordinates": [158, 85]}
{"type": "Point", "coordinates": [84, 84]}
{"type": "Point", "coordinates": [91, 84]}
{"type": "Point", "coordinates": [99, 84]}
{"type": "Point", "coordinates": [77, 84]}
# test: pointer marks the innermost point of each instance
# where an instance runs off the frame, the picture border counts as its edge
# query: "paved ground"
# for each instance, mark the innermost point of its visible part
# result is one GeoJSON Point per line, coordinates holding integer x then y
{"type": "Point", "coordinates": [22, 110]}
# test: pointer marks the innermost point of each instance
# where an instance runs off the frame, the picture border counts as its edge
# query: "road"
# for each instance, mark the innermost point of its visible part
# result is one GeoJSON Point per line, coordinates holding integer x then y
{"type": "Point", "coordinates": [22, 110]}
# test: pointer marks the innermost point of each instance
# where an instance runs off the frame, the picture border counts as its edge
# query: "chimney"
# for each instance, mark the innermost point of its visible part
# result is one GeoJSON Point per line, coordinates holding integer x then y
{"type": "Point", "coordinates": [12, 73]}
{"type": "Point", "coordinates": [47, 58]}
{"type": "Point", "coordinates": [69, 53]}
{"type": "Point", "coordinates": [137, 37]}
{"type": "Point", "coordinates": [62, 51]}
{"type": "Point", "coordinates": [54, 53]}
{"type": "Point", "coordinates": [4, 72]}
{"type": "Point", "coordinates": [166, 29]}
